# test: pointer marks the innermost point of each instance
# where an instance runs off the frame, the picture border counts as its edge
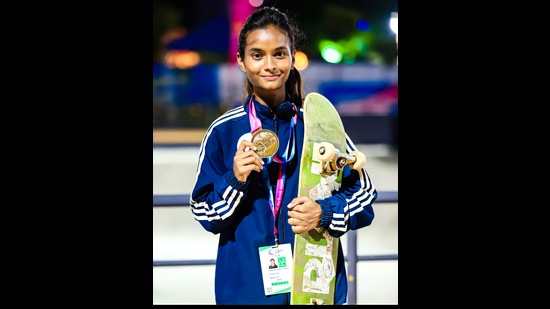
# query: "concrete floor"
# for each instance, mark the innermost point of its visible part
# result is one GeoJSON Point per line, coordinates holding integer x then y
{"type": "Point", "coordinates": [177, 236]}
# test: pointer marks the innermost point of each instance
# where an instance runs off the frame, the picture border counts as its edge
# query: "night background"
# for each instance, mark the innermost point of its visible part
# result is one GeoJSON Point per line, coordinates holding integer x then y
{"type": "Point", "coordinates": [318, 19]}
{"type": "Point", "coordinates": [195, 79]}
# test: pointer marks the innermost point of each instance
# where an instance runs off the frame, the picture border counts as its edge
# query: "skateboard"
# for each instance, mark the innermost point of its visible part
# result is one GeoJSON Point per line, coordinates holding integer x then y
{"type": "Point", "coordinates": [323, 158]}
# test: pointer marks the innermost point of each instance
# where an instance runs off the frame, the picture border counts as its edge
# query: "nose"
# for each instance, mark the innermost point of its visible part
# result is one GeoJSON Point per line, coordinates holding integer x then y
{"type": "Point", "coordinates": [270, 63]}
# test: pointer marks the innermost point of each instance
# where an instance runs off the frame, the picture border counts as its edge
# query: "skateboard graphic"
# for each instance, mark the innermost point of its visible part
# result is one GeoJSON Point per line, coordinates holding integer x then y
{"type": "Point", "coordinates": [323, 158]}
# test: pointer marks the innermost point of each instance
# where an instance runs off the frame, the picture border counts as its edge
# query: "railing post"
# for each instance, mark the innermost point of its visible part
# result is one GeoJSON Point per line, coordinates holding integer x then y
{"type": "Point", "coordinates": [352, 267]}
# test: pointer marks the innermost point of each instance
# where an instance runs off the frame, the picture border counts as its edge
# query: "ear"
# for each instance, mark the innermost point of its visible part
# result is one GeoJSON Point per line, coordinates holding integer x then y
{"type": "Point", "coordinates": [241, 63]}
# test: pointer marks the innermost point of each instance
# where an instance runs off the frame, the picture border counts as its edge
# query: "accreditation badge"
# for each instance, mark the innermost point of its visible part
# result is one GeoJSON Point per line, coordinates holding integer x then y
{"type": "Point", "coordinates": [277, 266]}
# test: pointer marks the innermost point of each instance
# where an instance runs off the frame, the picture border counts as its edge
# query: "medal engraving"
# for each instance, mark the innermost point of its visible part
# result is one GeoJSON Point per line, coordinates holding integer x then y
{"type": "Point", "coordinates": [266, 143]}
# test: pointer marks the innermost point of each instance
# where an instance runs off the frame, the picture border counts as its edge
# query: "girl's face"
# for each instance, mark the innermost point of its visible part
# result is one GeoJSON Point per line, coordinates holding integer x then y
{"type": "Point", "coordinates": [267, 60]}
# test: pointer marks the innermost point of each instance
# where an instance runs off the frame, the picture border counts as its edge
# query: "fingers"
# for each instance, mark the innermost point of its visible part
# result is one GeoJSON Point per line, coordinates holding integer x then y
{"type": "Point", "coordinates": [303, 225]}
{"type": "Point", "coordinates": [249, 155]}
{"type": "Point", "coordinates": [246, 160]}
{"type": "Point", "coordinates": [245, 137]}
{"type": "Point", "coordinates": [298, 201]}
{"type": "Point", "coordinates": [304, 214]}
{"type": "Point", "coordinates": [245, 146]}
{"type": "Point", "coordinates": [298, 227]}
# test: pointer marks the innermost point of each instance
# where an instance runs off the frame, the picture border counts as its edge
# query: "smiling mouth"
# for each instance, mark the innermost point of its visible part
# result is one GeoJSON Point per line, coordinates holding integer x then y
{"type": "Point", "coordinates": [271, 77]}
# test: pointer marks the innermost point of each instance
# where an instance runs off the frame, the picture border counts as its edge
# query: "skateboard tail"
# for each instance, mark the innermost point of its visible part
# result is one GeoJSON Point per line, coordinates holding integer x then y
{"type": "Point", "coordinates": [314, 277]}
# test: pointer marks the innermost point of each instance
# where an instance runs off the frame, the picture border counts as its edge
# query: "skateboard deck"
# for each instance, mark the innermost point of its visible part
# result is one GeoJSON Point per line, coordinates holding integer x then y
{"type": "Point", "coordinates": [316, 252]}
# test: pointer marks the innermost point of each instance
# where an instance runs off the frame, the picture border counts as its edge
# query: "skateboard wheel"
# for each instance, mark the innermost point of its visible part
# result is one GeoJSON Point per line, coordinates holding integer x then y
{"type": "Point", "coordinates": [360, 160]}
{"type": "Point", "coordinates": [325, 151]}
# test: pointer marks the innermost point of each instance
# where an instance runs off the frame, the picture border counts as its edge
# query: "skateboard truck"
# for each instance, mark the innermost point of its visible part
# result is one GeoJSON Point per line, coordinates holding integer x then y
{"type": "Point", "coordinates": [333, 161]}
{"type": "Point", "coordinates": [317, 301]}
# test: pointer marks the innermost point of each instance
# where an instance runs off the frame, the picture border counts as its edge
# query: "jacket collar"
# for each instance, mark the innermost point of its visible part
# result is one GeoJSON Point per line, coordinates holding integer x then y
{"type": "Point", "coordinates": [284, 111]}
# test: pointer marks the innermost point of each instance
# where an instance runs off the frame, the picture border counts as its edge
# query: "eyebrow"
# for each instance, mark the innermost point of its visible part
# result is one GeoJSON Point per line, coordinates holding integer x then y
{"type": "Point", "coordinates": [255, 49]}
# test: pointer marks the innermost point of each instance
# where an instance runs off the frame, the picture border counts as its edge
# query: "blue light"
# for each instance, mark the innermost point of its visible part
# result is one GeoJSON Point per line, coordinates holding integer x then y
{"type": "Point", "coordinates": [362, 25]}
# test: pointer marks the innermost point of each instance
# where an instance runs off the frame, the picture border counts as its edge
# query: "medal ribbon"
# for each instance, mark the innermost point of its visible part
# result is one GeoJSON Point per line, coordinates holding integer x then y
{"type": "Point", "coordinates": [255, 125]}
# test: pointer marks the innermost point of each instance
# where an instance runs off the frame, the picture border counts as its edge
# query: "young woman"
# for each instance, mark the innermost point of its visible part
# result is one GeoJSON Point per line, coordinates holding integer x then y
{"type": "Point", "coordinates": [248, 196]}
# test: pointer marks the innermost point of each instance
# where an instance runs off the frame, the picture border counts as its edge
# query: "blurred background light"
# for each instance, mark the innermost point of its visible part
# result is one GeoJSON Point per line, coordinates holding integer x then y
{"type": "Point", "coordinates": [256, 3]}
{"type": "Point", "coordinates": [331, 55]}
{"type": "Point", "coordinates": [393, 22]}
{"type": "Point", "coordinates": [331, 51]}
{"type": "Point", "coordinates": [300, 61]}
{"type": "Point", "coordinates": [182, 59]}
{"type": "Point", "coordinates": [362, 25]}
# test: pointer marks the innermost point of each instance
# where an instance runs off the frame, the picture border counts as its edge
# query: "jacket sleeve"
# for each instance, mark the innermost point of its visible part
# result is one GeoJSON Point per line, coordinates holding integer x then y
{"type": "Point", "coordinates": [351, 206]}
{"type": "Point", "coordinates": [216, 193]}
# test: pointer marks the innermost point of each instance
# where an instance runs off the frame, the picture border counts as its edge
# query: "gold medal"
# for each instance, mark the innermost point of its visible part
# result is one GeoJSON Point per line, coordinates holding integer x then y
{"type": "Point", "coordinates": [266, 143]}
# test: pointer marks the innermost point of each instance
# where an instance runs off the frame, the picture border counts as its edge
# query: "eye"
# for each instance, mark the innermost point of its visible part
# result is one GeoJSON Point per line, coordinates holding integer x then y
{"type": "Point", "coordinates": [280, 54]}
{"type": "Point", "coordinates": [256, 56]}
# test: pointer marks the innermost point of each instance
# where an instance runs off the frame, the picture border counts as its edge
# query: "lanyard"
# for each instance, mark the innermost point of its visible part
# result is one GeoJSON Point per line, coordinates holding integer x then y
{"type": "Point", "coordinates": [275, 205]}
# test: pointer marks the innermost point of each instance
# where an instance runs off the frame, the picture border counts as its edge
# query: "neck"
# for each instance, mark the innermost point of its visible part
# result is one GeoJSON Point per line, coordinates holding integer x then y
{"type": "Point", "coordinates": [271, 101]}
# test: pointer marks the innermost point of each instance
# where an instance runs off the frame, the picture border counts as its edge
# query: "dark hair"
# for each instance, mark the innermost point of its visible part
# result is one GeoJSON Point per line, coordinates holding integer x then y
{"type": "Point", "coordinates": [270, 16]}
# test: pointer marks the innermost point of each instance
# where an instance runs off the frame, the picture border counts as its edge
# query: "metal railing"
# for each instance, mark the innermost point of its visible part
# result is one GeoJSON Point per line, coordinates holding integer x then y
{"type": "Point", "coordinates": [178, 200]}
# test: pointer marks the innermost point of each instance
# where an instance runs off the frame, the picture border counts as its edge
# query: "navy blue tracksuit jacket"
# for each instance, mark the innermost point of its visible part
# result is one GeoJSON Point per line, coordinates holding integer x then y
{"type": "Point", "coordinates": [240, 212]}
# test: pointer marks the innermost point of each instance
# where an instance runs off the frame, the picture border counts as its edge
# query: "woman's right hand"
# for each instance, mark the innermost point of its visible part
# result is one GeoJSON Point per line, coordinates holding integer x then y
{"type": "Point", "coordinates": [246, 160]}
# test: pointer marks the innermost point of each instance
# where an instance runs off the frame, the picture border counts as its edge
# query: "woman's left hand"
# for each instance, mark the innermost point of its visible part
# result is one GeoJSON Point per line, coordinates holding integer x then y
{"type": "Point", "coordinates": [304, 214]}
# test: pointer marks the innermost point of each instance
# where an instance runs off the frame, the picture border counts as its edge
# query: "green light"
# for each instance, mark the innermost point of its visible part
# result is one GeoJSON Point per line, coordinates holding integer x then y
{"type": "Point", "coordinates": [331, 51]}
{"type": "Point", "coordinates": [331, 55]}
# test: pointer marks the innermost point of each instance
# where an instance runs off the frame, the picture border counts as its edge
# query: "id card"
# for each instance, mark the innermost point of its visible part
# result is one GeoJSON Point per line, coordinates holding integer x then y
{"type": "Point", "coordinates": [276, 263]}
